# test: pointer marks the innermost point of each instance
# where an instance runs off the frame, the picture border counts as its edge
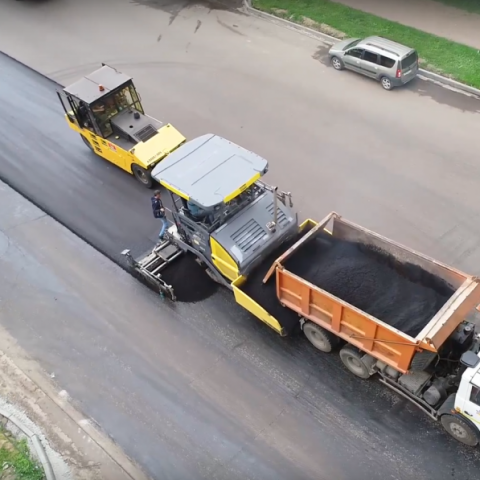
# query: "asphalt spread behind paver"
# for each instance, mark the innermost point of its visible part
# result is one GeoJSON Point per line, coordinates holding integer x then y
{"type": "Point", "coordinates": [111, 209]}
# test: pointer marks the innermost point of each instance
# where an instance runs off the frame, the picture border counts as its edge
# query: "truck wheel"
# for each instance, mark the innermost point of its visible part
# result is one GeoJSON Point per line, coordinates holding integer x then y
{"type": "Point", "coordinates": [142, 175]}
{"type": "Point", "coordinates": [460, 430]}
{"type": "Point", "coordinates": [352, 359]}
{"type": "Point", "coordinates": [319, 337]}
{"type": "Point", "coordinates": [87, 143]}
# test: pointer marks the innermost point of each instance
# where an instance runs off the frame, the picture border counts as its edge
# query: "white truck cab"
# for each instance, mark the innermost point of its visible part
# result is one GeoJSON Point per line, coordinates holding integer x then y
{"type": "Point", "coordinates": [467, 401]}
{"type": "Point", "coordinates": [463, 421]}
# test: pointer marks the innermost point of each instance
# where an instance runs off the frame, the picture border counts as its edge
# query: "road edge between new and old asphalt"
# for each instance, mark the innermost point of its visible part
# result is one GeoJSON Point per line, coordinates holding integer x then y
{"type": "Point", "coordinates": [329, 40]}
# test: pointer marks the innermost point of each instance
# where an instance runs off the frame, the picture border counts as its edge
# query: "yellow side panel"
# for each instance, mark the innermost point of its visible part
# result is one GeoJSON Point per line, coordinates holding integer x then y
{"type": "Point", "coordinates": [110, 151]}
{"type": "Point", "coordinates": [174, 190]}
{"type": "Point", "coordinates": [223, 261]}
{"type": "Point", "coordinates": [306, 223]}
{"type": "Point", "coordinates": [253, 307]}
{"type": "Point", "coordinates": [237, 192]}
{"type": "Point", "coordinates": [164, 142]}
{"type": "Point", "coordinates": [106, 149]}
{"type": "Point", "coordinates": [311, 223]}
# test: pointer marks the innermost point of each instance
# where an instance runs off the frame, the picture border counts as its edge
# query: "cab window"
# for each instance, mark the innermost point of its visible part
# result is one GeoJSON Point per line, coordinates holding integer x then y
{"type": "Point", "coordinates": [355, 52]}
{"type": "Point", "coordinates": [475, 395]}
{"type": "Point", "coordinates": [127, 98]}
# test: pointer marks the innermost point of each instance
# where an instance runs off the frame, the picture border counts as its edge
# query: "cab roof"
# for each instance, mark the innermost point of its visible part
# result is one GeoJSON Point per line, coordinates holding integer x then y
{"type": "Point", "coordinates": [88, 87]}
{"type": "Point", "coordinates": [209, 170]}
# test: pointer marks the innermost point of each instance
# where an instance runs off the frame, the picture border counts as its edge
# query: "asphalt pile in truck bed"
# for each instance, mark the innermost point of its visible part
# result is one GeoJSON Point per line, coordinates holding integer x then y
{"type": "Point", "coordinates": [403, 295]}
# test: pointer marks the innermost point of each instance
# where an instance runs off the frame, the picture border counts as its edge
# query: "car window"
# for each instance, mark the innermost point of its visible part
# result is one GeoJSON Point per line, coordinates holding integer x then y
{"type": "Point", "coordinates": [355, 52]}
{"type": "Point", "coordinates": [370, 57]}
{"type": "Point", "coordinates": [410, 60]}
{"type": "Point", "coordinates": [355, 42]}
{"type": "Point", "coordinates": [386, 62]}
{"type": "Point", "coordinates": [475, 395]}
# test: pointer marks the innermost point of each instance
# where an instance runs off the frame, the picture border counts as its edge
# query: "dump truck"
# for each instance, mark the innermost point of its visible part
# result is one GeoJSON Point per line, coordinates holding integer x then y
{"type": "Point", "coordinates": [106, 110]}
{"type": "Point", "coordinates": [249, 240]}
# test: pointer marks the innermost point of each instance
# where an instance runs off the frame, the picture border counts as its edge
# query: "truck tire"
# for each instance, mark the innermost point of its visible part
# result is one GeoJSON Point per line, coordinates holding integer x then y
{"type": "Point", "coordinates": [460, 430]}
{"type": "Point", "coordinates": [352, 359]}
{"type": "Point", "coordinates": [142, 175]}
{"type": "Point", "coordinates": [320, 338]}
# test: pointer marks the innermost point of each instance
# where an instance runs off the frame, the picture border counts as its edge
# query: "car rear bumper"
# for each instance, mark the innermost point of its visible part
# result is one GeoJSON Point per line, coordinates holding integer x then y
{"type": "Point", "coordinates": [398, 82]}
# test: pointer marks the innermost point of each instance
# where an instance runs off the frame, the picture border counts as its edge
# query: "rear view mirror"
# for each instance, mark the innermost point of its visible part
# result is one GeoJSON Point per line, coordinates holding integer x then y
{"type": "Point", "coordinates": [469, 359]}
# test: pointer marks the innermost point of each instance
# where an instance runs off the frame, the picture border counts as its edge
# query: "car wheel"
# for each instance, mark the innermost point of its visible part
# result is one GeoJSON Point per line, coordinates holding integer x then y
{"type": "Point", "coordinates": [386, 83]}
{"type": "Point", "coordinates": [337, 64]}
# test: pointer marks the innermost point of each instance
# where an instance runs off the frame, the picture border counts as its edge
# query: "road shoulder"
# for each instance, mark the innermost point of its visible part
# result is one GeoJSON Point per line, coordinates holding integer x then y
{"type": "Point", "coordinates": [76, 447]}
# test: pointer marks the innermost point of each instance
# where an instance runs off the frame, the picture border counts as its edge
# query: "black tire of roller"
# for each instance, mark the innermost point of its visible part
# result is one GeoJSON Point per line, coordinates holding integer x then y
{"type": "Point", "coordinates": [460, 430]}
{"type": "Point", "coordinates": [143, 176]}
{"type": "Point", "coordinates": [87, 143]}
{"type": "Point", "coordinates": [352, 359]}
{"type": "Point", "coordinates": [320, 338]}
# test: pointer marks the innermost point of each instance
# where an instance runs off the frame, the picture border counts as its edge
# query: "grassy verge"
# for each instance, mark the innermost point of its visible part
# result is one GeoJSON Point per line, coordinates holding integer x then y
{"type": "Point", "coordinates": [436, 54]}
{"type": "Point", "coordinates": [15, 460]}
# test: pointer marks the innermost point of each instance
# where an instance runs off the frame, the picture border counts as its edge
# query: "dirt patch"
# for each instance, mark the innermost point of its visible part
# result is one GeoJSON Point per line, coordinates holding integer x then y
{"type": "Point", "coordinates": [322, 27]}
{"type": "Point", "coordinates": [432, 68]}
{"type": "Point", "coordinates": [280, 12]}
{"type": "Point", "coordinates": [174, 7]}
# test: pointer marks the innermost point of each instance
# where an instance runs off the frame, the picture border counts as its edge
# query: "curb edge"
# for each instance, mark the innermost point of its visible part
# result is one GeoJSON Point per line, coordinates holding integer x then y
{"type": "Point", "coordinates": [37, 444]}
{"type": "Point", "coordinates": [250, 10]}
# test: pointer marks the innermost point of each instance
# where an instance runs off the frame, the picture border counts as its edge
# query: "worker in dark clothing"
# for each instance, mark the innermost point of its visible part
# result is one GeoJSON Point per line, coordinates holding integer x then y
{"type": "Point", "coordinates": [159, 212]}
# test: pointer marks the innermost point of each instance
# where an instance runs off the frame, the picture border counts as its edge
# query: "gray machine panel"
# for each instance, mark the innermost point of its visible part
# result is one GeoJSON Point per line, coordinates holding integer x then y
{"type": "Point", "coordinates": [87, 88]}
{"type": "Point", "coordinates": [139, 129]}
{"type": "Point", "coordinates": [208, 169]}
{"type": "Point", "coordinates": [246, 236]}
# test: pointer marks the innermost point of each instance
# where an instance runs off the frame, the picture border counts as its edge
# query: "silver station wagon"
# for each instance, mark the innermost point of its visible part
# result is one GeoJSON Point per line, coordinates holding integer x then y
{"type": "Point", "coordinates": [390, 63]}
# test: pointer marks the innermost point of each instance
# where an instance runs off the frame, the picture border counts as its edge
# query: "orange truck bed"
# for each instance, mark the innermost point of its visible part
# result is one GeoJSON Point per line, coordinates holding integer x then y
{"type": "Point", "coordinates": [360, 329]}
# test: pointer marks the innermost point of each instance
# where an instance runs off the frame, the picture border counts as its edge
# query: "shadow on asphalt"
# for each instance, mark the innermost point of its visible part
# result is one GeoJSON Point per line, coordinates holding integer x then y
{"type": "Point", "coordinates": [423, 88]}
{"type": "Point", "coordinates": [174, 7]}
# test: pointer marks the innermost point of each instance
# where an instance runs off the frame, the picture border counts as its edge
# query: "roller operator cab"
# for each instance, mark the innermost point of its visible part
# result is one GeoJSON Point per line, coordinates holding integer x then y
{"type": "Point", "coordinates": [106, 110]}
{"type": "Point", "coordinates": [221, 211]}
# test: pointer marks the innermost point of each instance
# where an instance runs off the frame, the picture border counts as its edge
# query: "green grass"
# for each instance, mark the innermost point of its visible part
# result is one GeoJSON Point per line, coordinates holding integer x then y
{"type": "Point", "coordinates": [16, 455]}
{"type": "Point", "coordinates": [472, 6]}
{"type": "Point", "coordinates": [437, 54]}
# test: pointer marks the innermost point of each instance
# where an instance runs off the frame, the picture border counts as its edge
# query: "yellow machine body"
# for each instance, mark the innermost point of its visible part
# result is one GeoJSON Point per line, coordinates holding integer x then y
{"type": "Point", "coordinates": [144, 154]}
{"type": "Point", "coordinates": [105, 109]}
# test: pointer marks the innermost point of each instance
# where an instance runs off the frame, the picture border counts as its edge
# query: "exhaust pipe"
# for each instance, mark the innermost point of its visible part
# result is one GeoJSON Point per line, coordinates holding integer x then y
{"type": "Point", "coordinates": [272, 226]}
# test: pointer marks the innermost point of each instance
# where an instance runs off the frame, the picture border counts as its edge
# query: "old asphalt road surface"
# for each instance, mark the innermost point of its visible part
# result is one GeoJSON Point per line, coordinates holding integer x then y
{"type": "Point", "coordinates": [241, 402]}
